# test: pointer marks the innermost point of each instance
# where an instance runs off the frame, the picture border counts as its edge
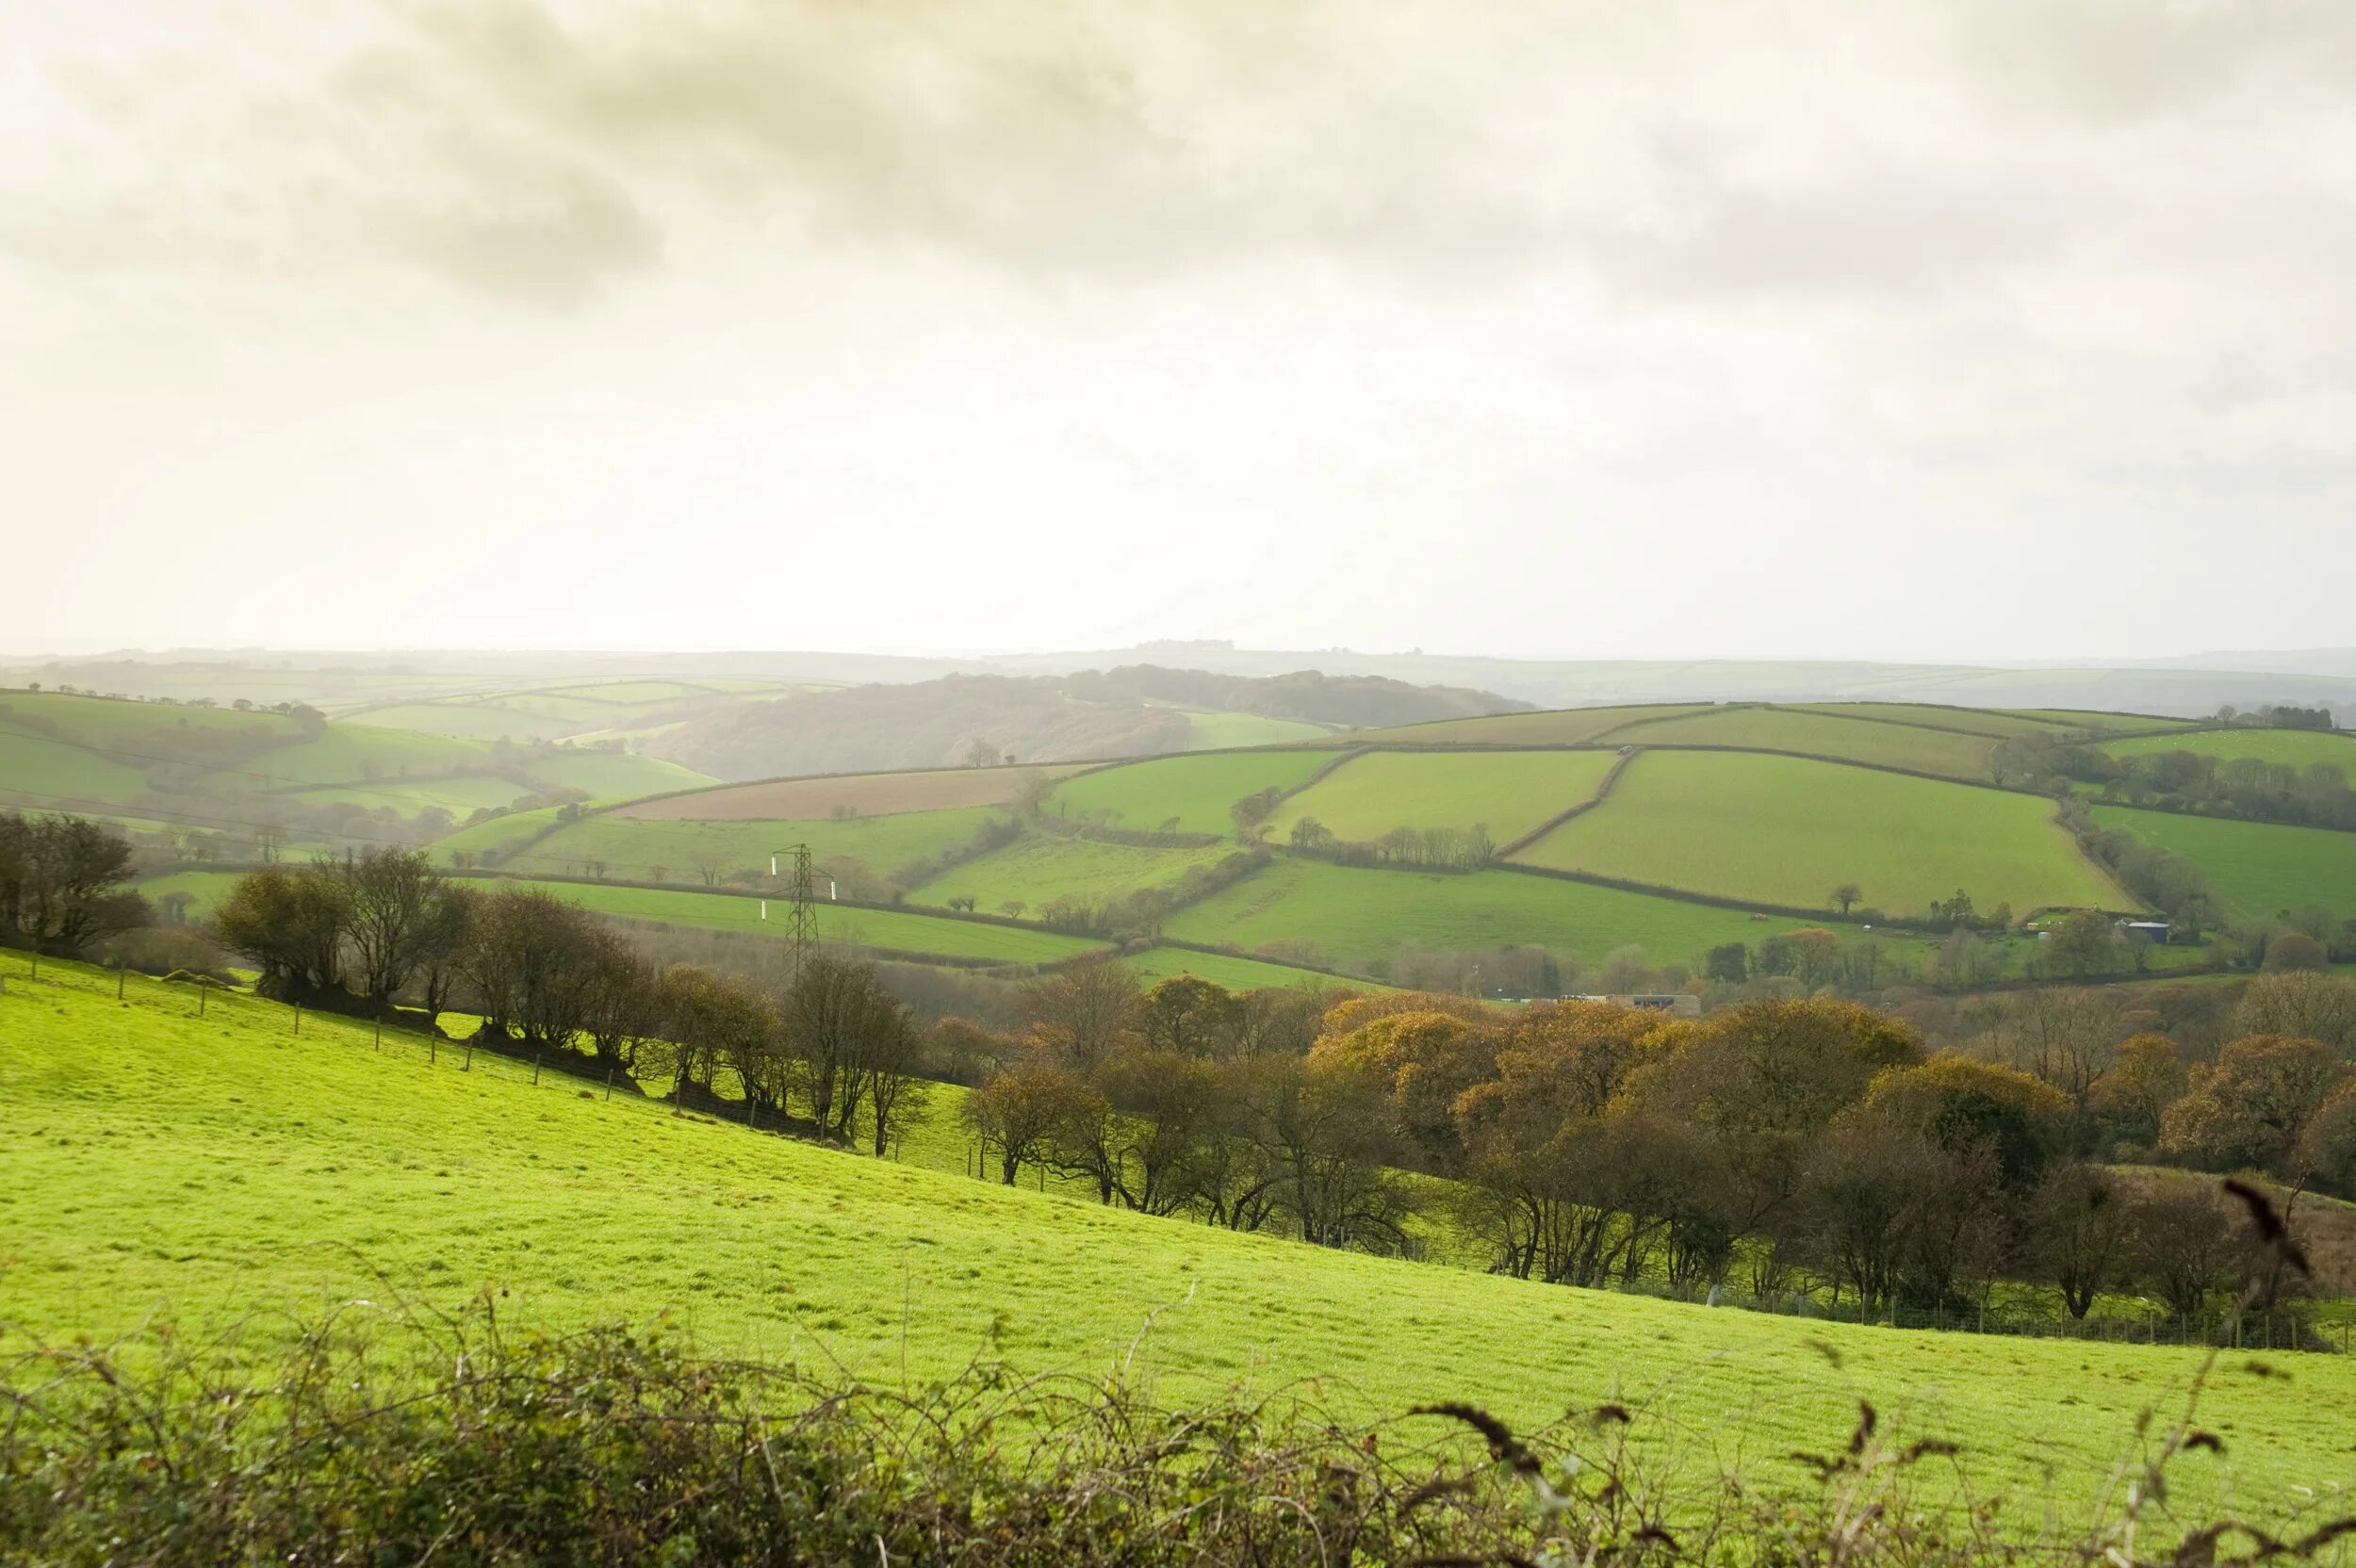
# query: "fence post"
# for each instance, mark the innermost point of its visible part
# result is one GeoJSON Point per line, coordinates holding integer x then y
{"type": "Point", "coordinates": [298, 1007]}
{"type": "Point", "coordinates": [202, 989]}
{"type": "Point", "coordinates": [469, 1066]}
{"type": "Point", "coordinates": [609, 1082]}
{"type": "Point", "coordinates": [536, 1064]}
{"type": "Point", "coordinates": [118, 979]}
{"type": "Point", "coordinates": [380, 1034]}
{"type": "Point", "coordinates": [432, 1051]}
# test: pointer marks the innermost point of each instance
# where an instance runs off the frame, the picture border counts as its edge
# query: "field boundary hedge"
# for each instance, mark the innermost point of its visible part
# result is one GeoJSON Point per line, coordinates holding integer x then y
{"type": "Point", "coordinates": [1603, 791]}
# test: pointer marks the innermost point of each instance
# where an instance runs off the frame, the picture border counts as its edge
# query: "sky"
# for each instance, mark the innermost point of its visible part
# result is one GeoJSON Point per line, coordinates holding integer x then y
{"type": "Point", "coordinates": [1977, 330]}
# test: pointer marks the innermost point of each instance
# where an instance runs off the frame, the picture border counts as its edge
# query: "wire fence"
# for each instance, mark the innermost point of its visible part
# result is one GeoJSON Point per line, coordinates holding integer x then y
{"type": "Point", "coordinates": [2277, 1331]}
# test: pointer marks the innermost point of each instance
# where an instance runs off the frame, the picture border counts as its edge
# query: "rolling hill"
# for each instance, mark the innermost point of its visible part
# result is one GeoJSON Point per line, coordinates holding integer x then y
{"type": "Point", "coordinates": [322, 1168]}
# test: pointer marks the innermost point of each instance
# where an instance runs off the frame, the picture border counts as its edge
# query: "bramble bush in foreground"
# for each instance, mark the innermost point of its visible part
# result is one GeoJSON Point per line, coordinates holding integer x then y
{"type": "Point", "coordinates": [396, 1438]}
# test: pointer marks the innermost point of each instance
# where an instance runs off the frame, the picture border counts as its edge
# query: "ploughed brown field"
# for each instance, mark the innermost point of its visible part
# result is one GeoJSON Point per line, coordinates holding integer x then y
{"type": "Point", "coordinates": [872, 794]}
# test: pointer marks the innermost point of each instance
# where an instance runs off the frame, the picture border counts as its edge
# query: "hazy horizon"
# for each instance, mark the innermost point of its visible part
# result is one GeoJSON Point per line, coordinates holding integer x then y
{"type": "Point", "coordinates": [2013, 332]}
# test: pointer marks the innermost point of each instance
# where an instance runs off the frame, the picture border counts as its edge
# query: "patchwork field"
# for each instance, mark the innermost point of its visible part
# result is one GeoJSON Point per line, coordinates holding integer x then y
{"type": "Point", "coordinates": [1358, 918]}
{"type": "Point", "coordinates": [1562, 726]}
{"type": "Point", "coordinates": [1786, 830]}
{"type": "Point", "coordinates": [1207, 731]}
{"type": "Point", "coordinates": [1183, 794]}
{"type": "Point", "coordinates": [1237, 974]}
{"type": "Point", "coordinates": [1512, 792]}
{"type": "Point", "coordinates": [891, 930]}
{"type": "Point", "coordinates": [306, 1172]}
{"type": "Point", "coordinates": [1034, 870]}
{"type": "Point", "coordinates": [1848, 738]}
{"type": "Point", "coordinates": [2256, 869]}
{"type": "Point", "coordinates": [872, 794]}
{"type": "Point", "coordinates": [1931, 715]}
{"type": "Point", "coordinates": [39, 773]}
{"type": "Point", "coordinates": [2078, 718]}
{"type": "Point", "coordinates": [638, 847]}
{"type": "Point", "coordinates": [2290, 747]}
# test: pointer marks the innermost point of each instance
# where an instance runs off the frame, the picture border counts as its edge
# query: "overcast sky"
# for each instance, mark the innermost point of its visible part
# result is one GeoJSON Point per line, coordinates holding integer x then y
{"type": "Point", "coordinates": [1986, 329]}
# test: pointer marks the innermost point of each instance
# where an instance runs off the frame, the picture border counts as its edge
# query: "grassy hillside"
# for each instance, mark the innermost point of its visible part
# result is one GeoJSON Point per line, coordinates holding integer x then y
{"type": "Point", "coordinates": [1565, 727]}
{"type": "Point", "coordinates": [1037, 869]}
{"type": "Point", "coordinates": [1845, 737]}
{"type": "Point", "coordinates": [1237, 974]}
{"type": "Point", "coordinates": [224, 1172]}
{"type": "Point", "coordinates": [1512, 793]}
{"type": "Point", "coordinates": [868, 794]}
{"type": "Point", "coordinates": [1187, 795]}
{"type": "Point", "coordinates": [2256, 869]}
{"type": "Point", "coordinates": [634, 846]}
{"type": "Point", "coordinates": [1786, 830]}
{"type": "Point", "coordinates": [1358, 917]}
{"type": "Point", "coordinates": [2292, 747]}
{"type": "Point", "coordinates": [1211, 731]}
{"type": "Point", "coordinates": [1930, 715]}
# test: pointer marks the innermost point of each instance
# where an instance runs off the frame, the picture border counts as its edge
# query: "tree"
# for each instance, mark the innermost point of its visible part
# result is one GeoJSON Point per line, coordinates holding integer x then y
{"type": "Point", "coordinates": [398, 921]}
{"type": "Point", "coordinates": [1017, 1114]}
{"type": "Point", "coordinates": [1729, 963]}
{"type": "Point", "coordinates": [2146, 1076]}
{"type": "Point", "coordinates": [2303, 1003]}
{"type": "Point", "coordinates": [2082, 944]}
{"type": "Point", "coordinates": [1190, 1016]}
{"type": "Point", "coordinates": [530, 961]}
{"type": "Point", "coordinates": [1311, 836]}
{"type": "Point", "coordinates": [844, 1030]}
{"type": "Point", "coordinates": [2295, 950]}
{"type": "Point", "coordinates": [291, 924]}
{"type": "Point", "coordinates": [2252, 1105]}
{"type": "Point", "coordinates": [2080, 1228]}
{"type": "Point", "coordinates": [1084, 1008]}
{"type": "Point", "coordinates": [2182, 1245]}
{"type": "Point", "coordinates": [64, 883]}
{"type": "Point", "coordinates": [1848, 895]}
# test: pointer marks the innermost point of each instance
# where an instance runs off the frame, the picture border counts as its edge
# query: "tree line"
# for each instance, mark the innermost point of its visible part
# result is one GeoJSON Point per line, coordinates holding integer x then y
{"type": "Point", "coordinates": [830, 1052]}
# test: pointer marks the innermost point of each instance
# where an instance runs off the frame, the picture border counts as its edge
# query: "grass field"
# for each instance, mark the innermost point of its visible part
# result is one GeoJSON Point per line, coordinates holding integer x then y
{"type": "Point", "coordinates": [1931, 715]}
{"type": "Point", "coordinates": [494, 836]}
{"type": "Point", "coordinates": [2293, 748]}
{"type": "Point", "coordinates": [2256, 869]}
{"type": "Point", "coordinates": [633, 847]}
{"type": "Point", "coordinates": [1191, 794]}
{"type": "Point", "coordinates": [1359, 917]}
{"type": "Point", "coordinates": [1786, 830]}
{"type": "Point", "coordinates": [614, 775]}
{"type": "Point", "coordinates": [223, 1173]}
{"type": "Point", "coordinates": [1511, 791]}
{"type": "Point", "coordinates": [1237, 974]}
{"type": "Point", "coordinates": [1206, 731]}
{"type": "Point", "coordinates": [36, 772]}
{"type": "Point", "coordinates": [459, 796]}
{"type": "Point", "coordinates": [469, 721]}
{"type": "Point", "coordinates": [1843, 738]}
{"type": "Point", "coordinates": [872, 794]}
{"type": "Point", "coordinates": [2080, 718]}
{"type": "Point", "coordinates": [1039, 867]}
{"type": "Point", "coordinates": [1560, 726]}
{"type": "Point", "coordinates": [898, 930]}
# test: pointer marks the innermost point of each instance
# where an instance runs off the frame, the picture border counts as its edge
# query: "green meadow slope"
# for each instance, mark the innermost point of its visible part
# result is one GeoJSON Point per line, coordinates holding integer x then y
{"type": "Point", "coordinates": [2256, 870]}
{"type": "Point", "coordinates": [1784, 830]}
{"type": "Point", "coordinates": [226, 1175]}
{"type": "Point", "coordinates": [1511, 792]}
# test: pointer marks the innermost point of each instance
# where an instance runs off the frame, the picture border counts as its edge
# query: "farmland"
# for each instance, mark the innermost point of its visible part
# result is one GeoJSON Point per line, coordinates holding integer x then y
{"type": "Point", "coordinates": [1034, 869]}
{"type": "Point", "coordinates": [1783, 830]}
{"type": "Point", "coordinates": [1359, 918]}
{"type": "Point", "coordinates": [1215, 731]}
{"type": "Point", "coordinates": [1928, 715]}
{"type": "Point", "coordinates": [1565, 727]}
{"type": "Point", "coordinates": [2295, 748]}
{"type": "Point", "coordinates": [1837, 735]}
{"type": "Point", "coordinates": [1510, 792]}
{"type": "Point", "coordinates": [1183, 794]}
{"type": "Point", "coordinates": [312, 1170]}
{"type": "Point", "coordinates": [1237, 974]}
{"type": "Point", "coordinates": [634, 847]}
{"type": "Point", "coordinates": [856, 794]}
{"type": "Point", "coordinates": [2255, 870]}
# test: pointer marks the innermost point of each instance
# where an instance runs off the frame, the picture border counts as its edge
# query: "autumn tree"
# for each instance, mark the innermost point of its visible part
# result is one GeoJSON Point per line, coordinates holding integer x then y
{"type": "Point", "coordinates": [1085, 1008]}
{"type": "Point", "coordinates": [2081, 1229]}
{"type": "Point", "coordinates": [2252, 1105]}
{"type": "Point", "coordinates": [2147, 1074]}
{"type": "Point", "coordinates": [292, 924]}
{"type": "Point", "coordinates": [1017, 1114]}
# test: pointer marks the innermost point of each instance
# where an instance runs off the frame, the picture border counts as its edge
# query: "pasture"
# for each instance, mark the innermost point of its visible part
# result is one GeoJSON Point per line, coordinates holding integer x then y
{"type": "Point", "coordinates": [1237, 974]}
{"type": "Point", "coordinates": [1215, 731]}
{"type": "Point", "coordinates": [871, 794]}
{"type": "Point", "coordinates": [636, 847]}
{"type": "Point", "coordinates": [229, 1178]}
{"type": "Point", "coordinates": [1039, 867]}
{"type": "Point", "coordinates": [1786, 830]}
{"type": "Point", "coordinates": [1932, 716]}
{"type": "Point", "coordinates": [1560, 726]}
{"type": "Point", "coordinates": [2256, 869]}
{"type": "Point", "coordinates": [1512, 792]}
{"type": "Point", "coordinates": [1358, 918]}
{"type": "Point", "coordinates": [1187, 795]}
{"type": "Point", "coordinates": [888, 930]}
{"type": "Point", "coordinates": [1837, 736]}
{"type": "Point", "coordinates": [2293, 749]}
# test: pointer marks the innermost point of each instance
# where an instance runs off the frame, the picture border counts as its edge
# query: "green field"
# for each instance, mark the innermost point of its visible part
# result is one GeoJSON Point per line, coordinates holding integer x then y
{"type": "Point", "coordinates": [1207, 731]}
{"type": "Point", "coordinates": [37, 773]}
{"type": "Point", "coordinates": [1931, 715]}
{"type": "Point", "coordinates": [1511, 791]}
{"type": "Point", "coordinates": [2256, 869]}
{"type": "Point", "coordinates": [614, 775]}
{"type": "Point", "coordinates": [1358, 918]}
{"type": "Point", "coordinates": [1560, 726]}
{"type": "Point", "coordinates": [634, 846]}
{"type": "Point", "coordinates": [1814, 734]}
{"type": "Point", "coordinates": [1041, 866]}
{"type": "Point", "coordinates": [1237, 974]}
{"type": "Point", "coordinates": [1786, 830]}
{"type": "Point", "coordinates": [223, 1173]}
{"type": "Point", "coordinates": [469, 721]}
{"type": "Point", "coordinates": [2291, 748]}
{"type": "Point", "coordinates": [897, 930]}
{"type": "Point", "coordinates": [494, 835]}
{"type": "Point", "coordinates": [461, 796]}
{"type": "Point", "coordinates": [1196, 791]}
{"type": "Point", "coordinates": [2079, 718]}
